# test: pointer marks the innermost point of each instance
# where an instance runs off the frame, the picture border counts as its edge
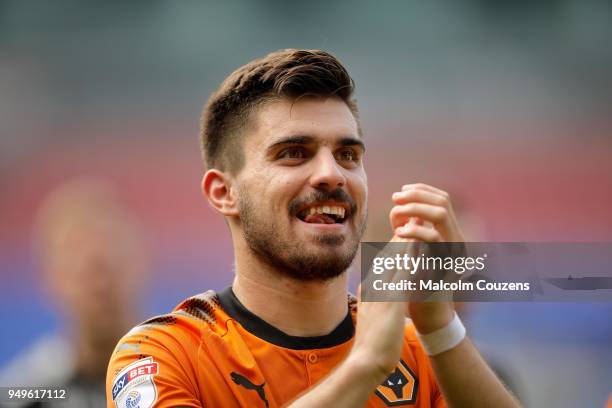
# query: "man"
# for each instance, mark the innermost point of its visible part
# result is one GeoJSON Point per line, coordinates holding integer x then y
{"type": "Point", "coordinates": [91, 252]}
{"type": "Point", "coordinates": [283, 145]}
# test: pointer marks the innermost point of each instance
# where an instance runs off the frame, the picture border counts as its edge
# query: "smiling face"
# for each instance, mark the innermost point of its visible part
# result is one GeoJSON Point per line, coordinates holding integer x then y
{"type": "Point", "coordinates": [302, 192]}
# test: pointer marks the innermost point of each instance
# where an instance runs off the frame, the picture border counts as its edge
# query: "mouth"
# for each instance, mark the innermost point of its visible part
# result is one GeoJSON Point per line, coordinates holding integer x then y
{"type": "Point", "coordinates": [330, 212]}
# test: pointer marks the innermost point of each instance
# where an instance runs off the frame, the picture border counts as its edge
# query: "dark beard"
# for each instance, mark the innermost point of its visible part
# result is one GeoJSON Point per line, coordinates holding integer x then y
{"type": "Point", "coordinates": [290, 260]}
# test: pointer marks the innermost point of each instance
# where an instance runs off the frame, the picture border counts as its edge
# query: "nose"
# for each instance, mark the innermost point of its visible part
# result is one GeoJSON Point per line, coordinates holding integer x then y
{"type": "Point", "coordinates": [327, 173]}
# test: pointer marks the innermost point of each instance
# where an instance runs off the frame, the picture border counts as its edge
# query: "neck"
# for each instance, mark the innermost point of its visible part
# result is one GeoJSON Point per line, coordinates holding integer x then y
{"type": "Point", "coordinates": [295, 307]}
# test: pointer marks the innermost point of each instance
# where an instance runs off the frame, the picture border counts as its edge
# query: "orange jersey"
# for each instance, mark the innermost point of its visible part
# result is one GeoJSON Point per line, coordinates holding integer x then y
{"type": "Point", "coordinates": [212, 352]}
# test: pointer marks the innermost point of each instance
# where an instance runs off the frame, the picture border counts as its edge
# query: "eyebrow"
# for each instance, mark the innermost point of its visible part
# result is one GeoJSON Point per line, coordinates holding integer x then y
{"type": "Point", "coordinates": [305, 140]}
{"type": "Point", "coordinates": [351, 141]}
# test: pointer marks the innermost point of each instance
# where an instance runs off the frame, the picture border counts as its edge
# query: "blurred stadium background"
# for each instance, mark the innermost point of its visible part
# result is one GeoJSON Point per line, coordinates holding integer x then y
{"type": "Point", "coordinates": [507, 105]}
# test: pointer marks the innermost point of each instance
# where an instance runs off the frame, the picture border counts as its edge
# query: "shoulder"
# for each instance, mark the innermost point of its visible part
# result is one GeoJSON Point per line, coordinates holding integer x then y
{"type": "Point", "coordinates": [188, 321]}
{"type": "Point", "coordinates": [162, 350]}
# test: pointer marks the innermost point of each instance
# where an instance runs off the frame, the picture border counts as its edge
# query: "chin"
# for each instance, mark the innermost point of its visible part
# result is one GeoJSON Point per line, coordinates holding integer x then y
{"type": "Point", "coordinates": [330, 240]}
{"type": "Point", "coordinates": [330, 246]}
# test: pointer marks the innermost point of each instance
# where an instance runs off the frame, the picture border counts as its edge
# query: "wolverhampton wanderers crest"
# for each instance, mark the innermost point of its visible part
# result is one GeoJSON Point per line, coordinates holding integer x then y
{"type": "Point", "coordinates": [400, 388]}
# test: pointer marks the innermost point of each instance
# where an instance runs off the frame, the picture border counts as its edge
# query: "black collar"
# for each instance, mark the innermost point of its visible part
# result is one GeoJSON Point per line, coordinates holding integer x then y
{"type": "Point", "coordinates": [265, 331]}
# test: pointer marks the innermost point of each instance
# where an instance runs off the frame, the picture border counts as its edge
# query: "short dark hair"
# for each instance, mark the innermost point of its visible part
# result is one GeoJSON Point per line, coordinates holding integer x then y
{"type": "Point", "coordinates": [290, 73]}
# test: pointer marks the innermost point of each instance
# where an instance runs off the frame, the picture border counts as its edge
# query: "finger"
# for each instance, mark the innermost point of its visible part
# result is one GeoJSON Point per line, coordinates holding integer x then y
{"type": "Point", "coordinates": [420, 221]}
{"type": "Point", "coordinates": [426, 187]}
{"type": "Point", "coordinates": [419, 233]}
{"type": "Point", "coordinates": [411, 221]}
{"type": "Point", "coordinates": [401, 214]}
{"type": "Point", "coordinates": [420, 196]}
{"type": "Point", "coordinates": [416, 221]}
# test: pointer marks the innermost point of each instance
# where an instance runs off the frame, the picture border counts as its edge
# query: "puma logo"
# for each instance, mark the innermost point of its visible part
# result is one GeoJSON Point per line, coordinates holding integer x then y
{"type": "Point", "coordinates": [246, 383]}
{"type": "Point", "coordinates": [396, 382]}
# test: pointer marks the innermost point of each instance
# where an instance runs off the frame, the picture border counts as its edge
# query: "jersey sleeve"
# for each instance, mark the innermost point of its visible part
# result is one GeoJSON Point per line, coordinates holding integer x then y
{"type": "Point", "coordinates": [152, 366]}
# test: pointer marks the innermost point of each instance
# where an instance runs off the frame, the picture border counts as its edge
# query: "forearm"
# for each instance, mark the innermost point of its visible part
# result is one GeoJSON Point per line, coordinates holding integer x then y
{"type": "Point", "coordinates": [349, 386]}
{"type": "Point", "coordinates": [476, 385]}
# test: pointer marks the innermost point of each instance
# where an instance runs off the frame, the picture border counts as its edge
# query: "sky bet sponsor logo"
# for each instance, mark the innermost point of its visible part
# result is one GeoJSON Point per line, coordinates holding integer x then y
{"type": "Point", "coordinates": [140, 369]}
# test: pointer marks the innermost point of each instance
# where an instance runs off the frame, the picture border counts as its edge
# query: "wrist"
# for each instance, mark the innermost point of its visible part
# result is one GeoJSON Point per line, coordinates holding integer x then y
{"type": "Point", "coordinates": [431, 316]}
{"type": "Point", "coordinates": [443, 339]}
{"type": "Point", "coordinates": [365, 369]}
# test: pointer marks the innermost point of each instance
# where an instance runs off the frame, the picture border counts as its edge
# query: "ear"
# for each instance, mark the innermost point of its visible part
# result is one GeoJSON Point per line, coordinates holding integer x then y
{"type": "Point", "coordinates": [216, 187]}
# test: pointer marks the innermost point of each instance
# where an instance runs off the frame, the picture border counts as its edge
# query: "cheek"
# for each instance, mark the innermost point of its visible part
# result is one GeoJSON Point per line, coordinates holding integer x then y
{"type": "Point", "coordinates": [280, 190]}
{"type": "Point", "coordinates": [263, 194]}
{"type": "Point", "coordinates": [359, 189]}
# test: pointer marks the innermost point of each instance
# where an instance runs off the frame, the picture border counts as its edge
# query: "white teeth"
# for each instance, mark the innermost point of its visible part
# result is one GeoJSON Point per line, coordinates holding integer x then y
{"type": "Point", "coordinates": [326, 209]}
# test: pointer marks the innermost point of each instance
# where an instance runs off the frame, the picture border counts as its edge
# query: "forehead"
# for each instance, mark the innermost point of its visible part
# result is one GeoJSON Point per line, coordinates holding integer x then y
{"type": "Point", "coordinates": [326, 119]}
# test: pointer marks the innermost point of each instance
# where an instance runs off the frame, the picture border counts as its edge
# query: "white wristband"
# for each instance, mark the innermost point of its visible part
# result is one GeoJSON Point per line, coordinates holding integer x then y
{"type": "Point", "coordinates": [443, 339]}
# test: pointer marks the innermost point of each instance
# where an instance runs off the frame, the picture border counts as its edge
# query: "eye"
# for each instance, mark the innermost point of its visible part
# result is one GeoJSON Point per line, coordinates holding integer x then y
{"type": "Point", "coordinates": [349, 155]}
{"type": "Point", "coordinates": [293, 153]}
